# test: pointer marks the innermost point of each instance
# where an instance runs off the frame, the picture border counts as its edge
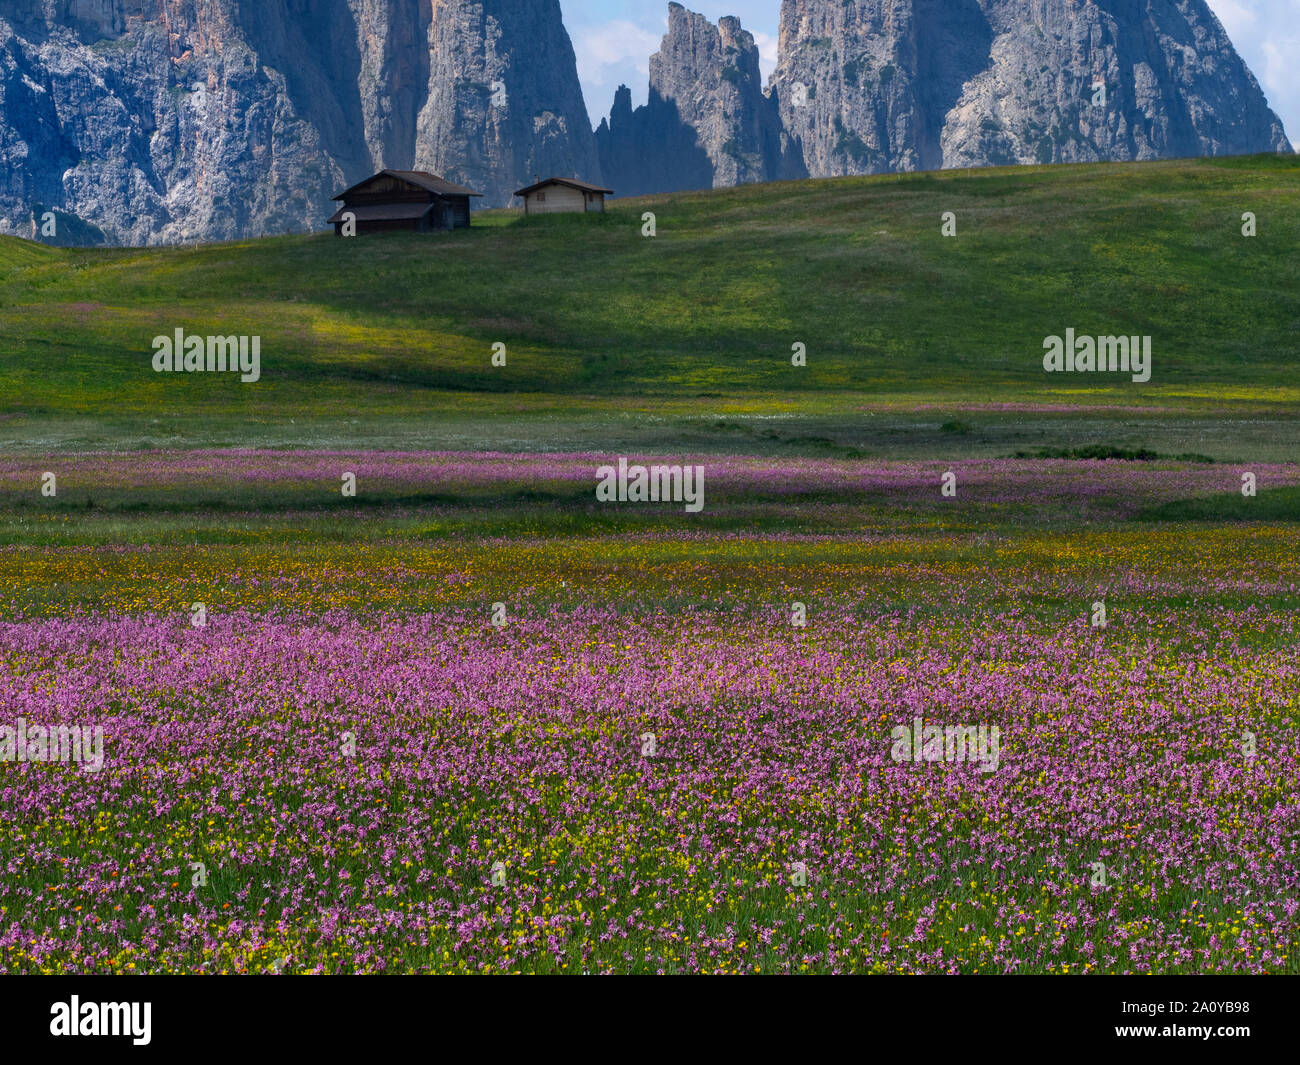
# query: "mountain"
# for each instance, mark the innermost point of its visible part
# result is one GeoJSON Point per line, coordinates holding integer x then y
{"type": "Point", "coordinates": [504, 104]}
{"type": "Point", "coordinates": [167, 120]}
{"type": "Point", "coordinates": [872, 86]}
{"type": "Point", "coordinates": [877, 86]}
{"type": "Point", "coordinates": [708, 123]}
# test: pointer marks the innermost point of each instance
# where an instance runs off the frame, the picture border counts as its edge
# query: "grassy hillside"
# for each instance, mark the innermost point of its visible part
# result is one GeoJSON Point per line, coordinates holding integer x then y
{"type": "Point", "coordinates": [915, 341]}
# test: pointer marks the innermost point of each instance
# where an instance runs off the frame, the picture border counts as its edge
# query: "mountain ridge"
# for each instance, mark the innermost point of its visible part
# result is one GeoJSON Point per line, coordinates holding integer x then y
{"type": "Point", "coordinates": [154, 122]}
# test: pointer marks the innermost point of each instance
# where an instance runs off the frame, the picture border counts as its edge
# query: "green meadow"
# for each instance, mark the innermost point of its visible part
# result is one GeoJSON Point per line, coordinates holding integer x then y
{"type": "Point", "coordinates": [918, 345]}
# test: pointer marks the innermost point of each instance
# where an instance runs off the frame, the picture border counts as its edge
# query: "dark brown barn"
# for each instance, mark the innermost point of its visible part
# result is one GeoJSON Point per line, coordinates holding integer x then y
{"type": "Point", "coordinates": [412, 200]}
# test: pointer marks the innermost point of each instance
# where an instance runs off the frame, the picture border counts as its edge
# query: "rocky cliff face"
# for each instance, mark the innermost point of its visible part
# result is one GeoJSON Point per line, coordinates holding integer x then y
{"type": "Point", "coordinates": [870, 86]}
{"type": "Point", "coordinates": [504, 102]}
{"type": "Point", "coordinates": [708, 123]}
{"type": "Point", "coordinates": [167, 120]}
{"type": "Point", "coordinates": [651, 149]}
{"type": "Point", "coordinates": [151, 126]}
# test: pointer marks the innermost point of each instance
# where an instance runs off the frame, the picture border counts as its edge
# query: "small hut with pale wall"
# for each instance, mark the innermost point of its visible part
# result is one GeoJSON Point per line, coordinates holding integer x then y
{"type": "Point", "coordinates": [563, 196]}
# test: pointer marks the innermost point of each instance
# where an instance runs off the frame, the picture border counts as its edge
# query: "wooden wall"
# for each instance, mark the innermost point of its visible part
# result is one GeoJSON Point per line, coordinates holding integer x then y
{"type": "Point", "coordinates": [560, 199]}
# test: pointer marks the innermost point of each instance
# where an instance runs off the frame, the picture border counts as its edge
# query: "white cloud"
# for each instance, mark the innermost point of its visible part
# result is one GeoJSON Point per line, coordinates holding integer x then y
{"type": "Point", "coordinates": [766, 52]}
{"type": "Point", "coordinates": [614, 43]}
{"type": "Point", "coordinates": [1237, 16]}
{"type": "Point", "coordinates": [1266, 34]}
{"type": "Point", "coordinates": [610, 54]}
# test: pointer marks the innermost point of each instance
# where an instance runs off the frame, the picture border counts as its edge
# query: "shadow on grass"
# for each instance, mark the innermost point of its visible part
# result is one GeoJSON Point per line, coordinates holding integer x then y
{"type": "Point", "coordinates": [1277, 504]}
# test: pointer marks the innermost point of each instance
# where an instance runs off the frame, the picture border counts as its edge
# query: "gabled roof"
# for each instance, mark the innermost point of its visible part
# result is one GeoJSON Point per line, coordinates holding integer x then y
{"type": "Point", "coordinates": [573, 183]}
{"type": "Point", "coordinates": [429, 182]}
{"type": "Point", "coordinates": [383, 212]}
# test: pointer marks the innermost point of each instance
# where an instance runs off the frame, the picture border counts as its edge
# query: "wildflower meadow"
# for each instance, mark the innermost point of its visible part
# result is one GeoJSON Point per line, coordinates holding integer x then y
{"type": "Point", "coordinates": [469, 720]}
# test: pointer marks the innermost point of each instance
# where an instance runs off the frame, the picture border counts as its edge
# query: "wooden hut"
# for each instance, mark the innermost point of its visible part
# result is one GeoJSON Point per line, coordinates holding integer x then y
{"type": "Point", "coordinates": [563, 196]}
{"type": "Point", "coordinates": [412, 200]}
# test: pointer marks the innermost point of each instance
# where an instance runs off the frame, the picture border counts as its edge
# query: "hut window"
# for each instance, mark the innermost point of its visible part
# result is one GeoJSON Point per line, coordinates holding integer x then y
{"type": "Point", "coordinates": [541, 196]}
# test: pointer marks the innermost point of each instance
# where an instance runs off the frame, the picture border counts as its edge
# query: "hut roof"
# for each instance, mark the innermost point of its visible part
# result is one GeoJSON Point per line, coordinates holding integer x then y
{"type": "Point", "coordinates": [430, 182]}
{"type": "Point", "coordinates": [573, 183]}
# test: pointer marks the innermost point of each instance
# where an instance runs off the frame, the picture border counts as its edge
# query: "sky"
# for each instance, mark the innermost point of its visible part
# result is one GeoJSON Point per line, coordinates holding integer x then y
{"type": "Point", "coordinates": [614, 40]}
